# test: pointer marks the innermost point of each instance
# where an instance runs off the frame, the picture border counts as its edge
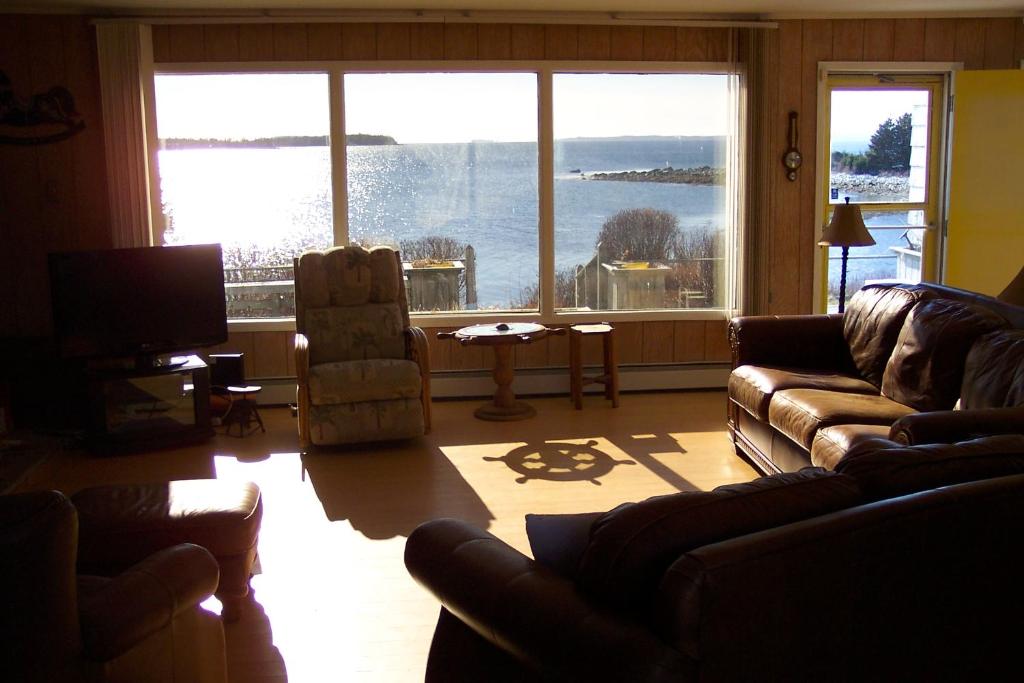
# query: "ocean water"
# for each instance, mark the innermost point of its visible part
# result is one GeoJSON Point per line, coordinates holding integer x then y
{"type": "Point", "coordinates": [266, 205]}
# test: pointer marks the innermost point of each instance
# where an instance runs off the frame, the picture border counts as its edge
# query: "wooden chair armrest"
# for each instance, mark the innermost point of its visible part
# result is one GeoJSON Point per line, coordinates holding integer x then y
{"type": "Point", "coordinates": [419, 352]}
{"type": "Point", "coordinates": [302, 358]}
{"type": "Point", "coordinates": [302, 391]}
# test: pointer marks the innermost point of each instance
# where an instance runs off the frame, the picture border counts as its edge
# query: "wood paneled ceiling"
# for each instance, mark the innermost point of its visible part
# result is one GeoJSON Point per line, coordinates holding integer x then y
{"type": "Point", "coordinates": [746, 8]}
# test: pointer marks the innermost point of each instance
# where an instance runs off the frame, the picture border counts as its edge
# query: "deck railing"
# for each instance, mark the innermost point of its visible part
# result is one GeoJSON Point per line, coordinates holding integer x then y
{"type": "Point", "coordinates": [260, 292]}
{"type": "Point", "coordinates": [269, 291]}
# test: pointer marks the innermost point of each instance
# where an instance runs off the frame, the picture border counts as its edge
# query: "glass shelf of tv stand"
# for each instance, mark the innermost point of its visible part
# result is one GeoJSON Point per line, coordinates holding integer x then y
{"type": "Point", "coordinates": [134, 408]}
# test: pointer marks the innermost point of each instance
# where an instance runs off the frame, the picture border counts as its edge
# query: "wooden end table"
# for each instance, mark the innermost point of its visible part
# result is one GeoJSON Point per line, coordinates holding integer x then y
{"type": "Point", "coordinates": [502, 337]}
{"type": "Point", "coordinates": [610, 376]}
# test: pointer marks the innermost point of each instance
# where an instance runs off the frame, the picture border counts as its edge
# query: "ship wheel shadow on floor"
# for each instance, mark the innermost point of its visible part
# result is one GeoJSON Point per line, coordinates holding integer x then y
{"type": "Point", "coordinates": [560, 461]}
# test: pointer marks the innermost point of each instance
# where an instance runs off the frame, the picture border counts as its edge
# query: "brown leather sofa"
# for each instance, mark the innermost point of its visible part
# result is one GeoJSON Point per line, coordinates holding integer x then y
{"type": "Point", "coordinates": [806, 388]}
{"type": "Point", "coordinates": [57, 625]}
{"type": "Point", "coordinates": [903, 564]}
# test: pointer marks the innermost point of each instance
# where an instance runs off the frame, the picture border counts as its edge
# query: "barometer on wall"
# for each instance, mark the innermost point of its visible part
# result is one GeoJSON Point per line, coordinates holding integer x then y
{"type": "Point", "coordinates": [792, 158]}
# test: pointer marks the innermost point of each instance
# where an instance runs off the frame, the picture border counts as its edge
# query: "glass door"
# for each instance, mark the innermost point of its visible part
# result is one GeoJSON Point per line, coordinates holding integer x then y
{"type": "Point", "coordinates": [882, 144]}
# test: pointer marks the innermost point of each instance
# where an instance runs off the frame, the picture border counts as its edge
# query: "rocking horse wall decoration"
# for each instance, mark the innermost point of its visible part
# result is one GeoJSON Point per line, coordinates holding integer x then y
{"type": "Point", "coordinates": [41, 119]}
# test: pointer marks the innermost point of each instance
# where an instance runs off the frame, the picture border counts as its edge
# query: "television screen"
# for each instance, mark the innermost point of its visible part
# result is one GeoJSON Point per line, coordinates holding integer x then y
{"type": "Point", "coordinates": [138, 302]}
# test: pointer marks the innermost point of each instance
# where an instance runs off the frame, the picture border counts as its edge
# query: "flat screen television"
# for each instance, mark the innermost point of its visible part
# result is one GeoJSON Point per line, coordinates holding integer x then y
{"type": "Point", "coordinates": [140, 302]}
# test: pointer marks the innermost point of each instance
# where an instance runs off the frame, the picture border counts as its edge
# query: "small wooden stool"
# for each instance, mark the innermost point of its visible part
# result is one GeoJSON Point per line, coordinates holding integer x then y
{"type": "Point", "coordinates": [242, 411]}
{"type": "Point", "coordinates": [610, 377]}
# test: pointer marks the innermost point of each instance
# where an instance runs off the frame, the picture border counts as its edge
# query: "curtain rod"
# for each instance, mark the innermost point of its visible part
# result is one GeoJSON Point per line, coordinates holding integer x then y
{"type": "Point", "coordinates": [432, 17]}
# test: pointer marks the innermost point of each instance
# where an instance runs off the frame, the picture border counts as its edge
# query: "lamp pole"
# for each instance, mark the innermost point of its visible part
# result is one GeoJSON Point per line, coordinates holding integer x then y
{"type": "Point", "coordinates": [846, 229]}
{"type": "Point", "coordinates": [842, 280]}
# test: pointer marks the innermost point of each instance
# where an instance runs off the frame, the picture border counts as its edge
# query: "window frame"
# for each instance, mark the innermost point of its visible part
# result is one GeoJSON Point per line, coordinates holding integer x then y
{"type": "Point", "coordinates": [544, 71]}
{"type": "Point", "coordinates": [933, 76]}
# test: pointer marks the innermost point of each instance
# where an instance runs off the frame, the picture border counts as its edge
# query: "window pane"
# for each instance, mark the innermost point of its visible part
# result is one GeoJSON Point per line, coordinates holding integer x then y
{"type": "Point", "coordinates": [244, 160]}
{"type": "Point", "coordinates": [879, 145]}
{"type": "Point", "coordinates": [895, 256]}
{"type": "Point", "coordinates": [444, 167]}
{"type": "Point", "coordinates": [640, 197]}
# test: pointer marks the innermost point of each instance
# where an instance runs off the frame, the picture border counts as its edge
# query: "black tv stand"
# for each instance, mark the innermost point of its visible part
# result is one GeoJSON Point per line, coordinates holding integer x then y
{"type": "Point", "coordinates": [139, 408]}
{"type": "Point", "coordinates": [147, 361]}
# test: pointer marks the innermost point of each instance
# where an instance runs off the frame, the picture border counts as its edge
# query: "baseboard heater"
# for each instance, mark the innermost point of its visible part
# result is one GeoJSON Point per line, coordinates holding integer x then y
{"type": "Point", "coordinates": [537, 381]}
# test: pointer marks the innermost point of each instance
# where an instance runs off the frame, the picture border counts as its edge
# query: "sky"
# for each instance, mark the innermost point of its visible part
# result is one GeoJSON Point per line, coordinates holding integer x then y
{"type": "Point", "coordinates": [856, 114]}
{"type": "Point", "coordinates": [241, 106]}
{"type": "Point", "coordinates": [441, 107]}
{"type": "Point", "coordinates": [604, 105]}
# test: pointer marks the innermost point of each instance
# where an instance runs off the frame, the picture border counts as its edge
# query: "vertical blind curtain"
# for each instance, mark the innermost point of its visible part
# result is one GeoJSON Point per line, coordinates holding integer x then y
{"type": "Point", "coordinates": [760, 51]}
{"type": "Point", "coordinates": [124, 49]}
{"type": "Point", "coordinates": [739, 180]}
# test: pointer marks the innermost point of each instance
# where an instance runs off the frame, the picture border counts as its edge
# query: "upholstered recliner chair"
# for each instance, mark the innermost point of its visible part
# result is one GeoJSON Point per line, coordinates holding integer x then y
{"type": "Point", "coordinates": [363, 370]}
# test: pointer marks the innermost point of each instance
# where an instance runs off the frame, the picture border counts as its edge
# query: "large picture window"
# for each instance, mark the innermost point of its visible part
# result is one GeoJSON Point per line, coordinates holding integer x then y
{"type": "Point", "coordinates": [641, 209]}
{"type": "Point", "coordinates": [443, 166]}
{"type": "Point", "coordinates": [455, 170]}
{"type": "Point", "coordinates": [244, 160]}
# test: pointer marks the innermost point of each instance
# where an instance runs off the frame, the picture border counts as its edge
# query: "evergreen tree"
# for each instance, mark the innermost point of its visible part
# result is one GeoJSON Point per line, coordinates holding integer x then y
{"type": "Point", "coordinates": [888, 152]}
{"type": "Point", "coordinates": [890, 146]}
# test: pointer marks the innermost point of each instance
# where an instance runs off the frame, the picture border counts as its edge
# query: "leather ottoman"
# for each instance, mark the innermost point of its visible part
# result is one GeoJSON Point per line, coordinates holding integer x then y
{"type": "Point", "coordinates": [121, 524]}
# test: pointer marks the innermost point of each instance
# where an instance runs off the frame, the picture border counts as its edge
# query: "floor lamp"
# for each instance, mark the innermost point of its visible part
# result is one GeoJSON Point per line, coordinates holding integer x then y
{"type": "Point", "coordinates": [846, 229]}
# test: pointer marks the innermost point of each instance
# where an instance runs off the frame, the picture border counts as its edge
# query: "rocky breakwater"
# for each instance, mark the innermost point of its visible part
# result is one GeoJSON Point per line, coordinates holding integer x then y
{"type": "Point", "coordinates": [703, 175]}
{"type": "Point", "coordinates": [889, 186]}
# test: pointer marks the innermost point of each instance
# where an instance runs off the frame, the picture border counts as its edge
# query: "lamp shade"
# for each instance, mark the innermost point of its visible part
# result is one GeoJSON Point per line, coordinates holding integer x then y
{"type": "Point", "coordinates": [846, 229]}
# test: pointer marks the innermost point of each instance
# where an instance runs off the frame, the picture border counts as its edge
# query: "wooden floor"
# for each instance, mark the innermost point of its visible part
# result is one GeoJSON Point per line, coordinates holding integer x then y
{"type": "Point", "coordinates": [332, 600]}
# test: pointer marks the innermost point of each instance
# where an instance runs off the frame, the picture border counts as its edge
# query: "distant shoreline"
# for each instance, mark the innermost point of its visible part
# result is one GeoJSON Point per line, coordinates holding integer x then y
{"type": "Point", "coordinates": [702, 175]}
{"type": "Point", "coordinates": [872, 185]}
{"type": "Point", "coordinates": [273, 142]}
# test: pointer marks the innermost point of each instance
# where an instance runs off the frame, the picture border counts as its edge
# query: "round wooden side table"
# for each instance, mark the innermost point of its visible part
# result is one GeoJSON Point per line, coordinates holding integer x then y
{"type": "Point", "coordinates": [502, 337]}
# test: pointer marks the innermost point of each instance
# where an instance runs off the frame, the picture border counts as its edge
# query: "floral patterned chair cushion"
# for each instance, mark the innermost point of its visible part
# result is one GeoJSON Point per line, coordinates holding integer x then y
{"type": "Point", "coordinates": [345, 333]}
{"type": "Point", "coordinates": [350, 276]}
{"type": "Point", "coordinates": [355, 381]}
{"type": "Point", "coordinates": [365, 421]}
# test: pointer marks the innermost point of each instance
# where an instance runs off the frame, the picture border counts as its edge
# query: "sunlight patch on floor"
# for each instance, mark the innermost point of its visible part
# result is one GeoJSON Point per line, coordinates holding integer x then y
{"type": "Point", "coordinates": [332, 600]}
{"type": "Point", "coordinates": [313, 587]}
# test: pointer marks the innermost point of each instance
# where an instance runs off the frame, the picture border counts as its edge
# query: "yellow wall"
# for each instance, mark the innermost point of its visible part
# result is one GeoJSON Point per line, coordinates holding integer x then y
{"type": "Point", "coordinates": [985, 246]}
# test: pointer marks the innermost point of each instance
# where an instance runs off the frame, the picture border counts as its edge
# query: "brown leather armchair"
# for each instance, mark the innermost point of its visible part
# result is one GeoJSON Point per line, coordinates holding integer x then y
{"type": "Point", "coordinates": [142, 625]}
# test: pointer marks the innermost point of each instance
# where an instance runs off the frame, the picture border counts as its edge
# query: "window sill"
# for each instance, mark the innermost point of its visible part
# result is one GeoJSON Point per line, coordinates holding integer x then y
{"type": "Point", "coordinates": [430, 320]}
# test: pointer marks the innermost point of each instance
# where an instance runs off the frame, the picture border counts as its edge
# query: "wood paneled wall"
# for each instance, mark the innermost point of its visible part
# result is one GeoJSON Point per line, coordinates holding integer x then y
{"type": "Point", "coordinates": [296, 42]}
{"type": "Point", "coordinates": [53, 196]}
{"type": "Point", "coordinates": [269, 354]}
{"type": "Point", "coordinates": [990, 43]}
